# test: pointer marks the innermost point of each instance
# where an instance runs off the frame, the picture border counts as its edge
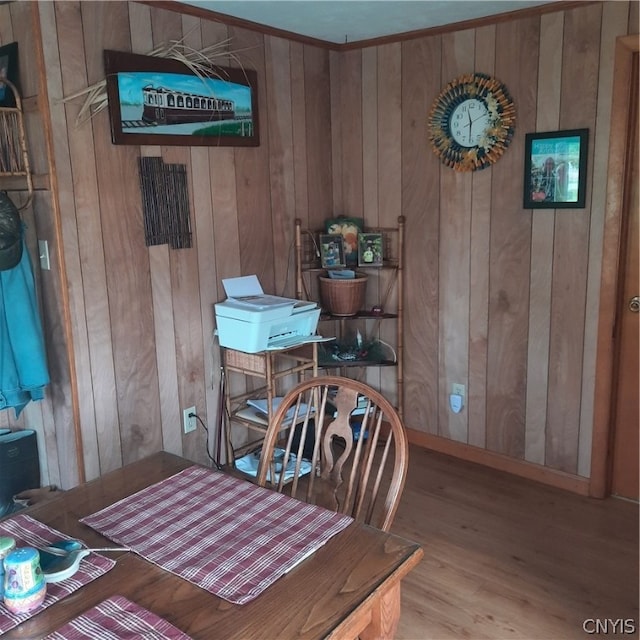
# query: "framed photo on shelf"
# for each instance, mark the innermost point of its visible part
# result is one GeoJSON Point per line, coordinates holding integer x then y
{"type": "Point", "coordinates": [332, 251]}
{"type": "Point", "coordinates": [161, 101]}
{"type": "Point", "coordinates": [555, 169]}
{"type": "Point", "coordinates": [8, 70]}
{"type": "Point", "coordinates": [370, 250]}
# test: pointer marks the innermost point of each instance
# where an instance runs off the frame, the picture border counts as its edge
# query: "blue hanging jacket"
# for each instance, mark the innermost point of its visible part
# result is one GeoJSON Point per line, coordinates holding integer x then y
{"type": "Point", "coordinates": [23, 362]}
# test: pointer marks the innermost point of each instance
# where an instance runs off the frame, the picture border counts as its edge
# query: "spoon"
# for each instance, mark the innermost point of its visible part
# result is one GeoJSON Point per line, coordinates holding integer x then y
{"type": "Point", "coordinates": [62, 559]}
{"type": "Point", "coordinates": [59, 552]}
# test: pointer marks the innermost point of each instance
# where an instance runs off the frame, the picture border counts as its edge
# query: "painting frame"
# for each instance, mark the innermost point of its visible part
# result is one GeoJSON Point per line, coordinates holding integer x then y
{"type": "Point", "coordinates": [161, 101]}
{"type": "Point", "coordinates": [555, 169]}
{"type": "Point", "coordinates": [370, 249]}
{"type": "Point", "coordinates": [332, 254]}
{"type": "Point", "coordinates": [8, 64]}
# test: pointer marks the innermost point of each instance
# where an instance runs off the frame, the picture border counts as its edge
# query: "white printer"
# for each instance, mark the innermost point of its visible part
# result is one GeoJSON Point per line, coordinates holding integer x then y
{"type": "Point", "coordinates": [251, 321]}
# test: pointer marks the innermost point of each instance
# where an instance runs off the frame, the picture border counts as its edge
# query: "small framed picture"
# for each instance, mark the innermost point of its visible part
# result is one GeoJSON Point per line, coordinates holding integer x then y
{"type": "Point", "coordinates": [555, 169]}
{"type": "Point", "coordinates": [8, 70]}
{"type": "Point", "coordinates": [370, 250]}
{"type": "Point", "coordinates": [332, 251]}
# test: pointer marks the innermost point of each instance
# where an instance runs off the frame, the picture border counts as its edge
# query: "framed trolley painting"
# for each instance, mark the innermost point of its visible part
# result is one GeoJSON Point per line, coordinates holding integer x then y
{"type": "Point", "coordinates": [161, 101]}
{"type": "Point", "coordinates": [555, 169]}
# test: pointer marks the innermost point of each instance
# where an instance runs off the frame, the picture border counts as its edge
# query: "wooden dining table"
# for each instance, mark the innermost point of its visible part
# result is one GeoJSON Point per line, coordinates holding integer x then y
{"type": "Point", "coordinates": [348, 588]}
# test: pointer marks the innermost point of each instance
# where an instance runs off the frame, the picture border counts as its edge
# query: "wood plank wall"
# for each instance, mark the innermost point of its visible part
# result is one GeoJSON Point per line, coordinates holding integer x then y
{"type": "Point", "coordinates": [500, 299]}
{"type": "Point", "coordinates": [497, 298]}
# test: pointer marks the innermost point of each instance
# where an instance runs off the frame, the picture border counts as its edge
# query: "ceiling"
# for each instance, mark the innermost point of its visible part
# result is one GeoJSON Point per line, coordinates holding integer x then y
{"type": "Point", "coordinates": [346, 21]}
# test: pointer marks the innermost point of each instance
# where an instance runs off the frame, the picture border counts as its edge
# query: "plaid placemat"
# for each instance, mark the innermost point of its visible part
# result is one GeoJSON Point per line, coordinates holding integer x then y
{"type": "Point", "coordinates": [29, 532]}
{"type": "Point", "coordinates": [223, 534]}
{"type": "Point", "coordinates": [118, 619]}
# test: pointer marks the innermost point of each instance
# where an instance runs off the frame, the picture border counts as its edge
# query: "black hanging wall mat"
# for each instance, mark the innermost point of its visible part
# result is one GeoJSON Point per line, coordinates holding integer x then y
{"type": "Point", "coordinates": [165, 203]}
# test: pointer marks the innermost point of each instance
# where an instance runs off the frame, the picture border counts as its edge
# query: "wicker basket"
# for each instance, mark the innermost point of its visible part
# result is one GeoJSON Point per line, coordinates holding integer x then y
{"type": "Point", "coordinates": [343, 297]}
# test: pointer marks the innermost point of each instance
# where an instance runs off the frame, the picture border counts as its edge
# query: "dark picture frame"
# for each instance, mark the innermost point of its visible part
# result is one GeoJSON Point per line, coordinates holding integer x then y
{"type": "Point", "coordinates": [8, 69]}
{"type": "Point", "coordinates": [555, 169]}
{"type": "Point", "coordinates": [332, 251]}
{"type": "Point", "coordinates": [370, 250]}
{"type": "Point", "coordinates": [161, 101]}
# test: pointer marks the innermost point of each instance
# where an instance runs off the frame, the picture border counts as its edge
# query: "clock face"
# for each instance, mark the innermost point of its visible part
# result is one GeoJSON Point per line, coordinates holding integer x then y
{"type": "Point", "coordinates": [468, 123]}
{"type": "Point", "coordinates": [471, 123]}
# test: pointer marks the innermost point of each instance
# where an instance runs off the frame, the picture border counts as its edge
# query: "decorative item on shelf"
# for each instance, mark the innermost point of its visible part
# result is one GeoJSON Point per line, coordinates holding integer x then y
{"type": "Point", "coordinates": [332, 251]}
{"type": "Point", "coordinates": [348, 228]}
{"type": "Point", "coordinates": [370, 253]}
{"type": "Point", "coordinates": [356, 349]}
{"type": "Point", "coordinates": [343, 296]}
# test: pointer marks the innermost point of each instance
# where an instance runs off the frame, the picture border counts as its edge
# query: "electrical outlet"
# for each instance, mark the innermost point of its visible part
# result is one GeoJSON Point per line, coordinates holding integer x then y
{"type": "Point", "coordinates": [458, 390]}
{"type": "Point", "coordinates": [189, 423]}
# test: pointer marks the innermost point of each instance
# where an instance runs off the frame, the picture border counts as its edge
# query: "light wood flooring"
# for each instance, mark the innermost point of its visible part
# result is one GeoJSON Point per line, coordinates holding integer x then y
{"type": "Point", "coordinates": [505, 557]}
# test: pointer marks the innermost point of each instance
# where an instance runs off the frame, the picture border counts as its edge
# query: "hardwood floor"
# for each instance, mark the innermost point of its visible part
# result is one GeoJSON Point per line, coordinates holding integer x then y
{"type": "Point", "coordinates": [509, 558]}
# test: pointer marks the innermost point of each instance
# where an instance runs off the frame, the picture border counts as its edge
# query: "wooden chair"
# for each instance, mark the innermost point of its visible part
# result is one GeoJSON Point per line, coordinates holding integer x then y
{"type": "Point", "coordinates": [356, 444]}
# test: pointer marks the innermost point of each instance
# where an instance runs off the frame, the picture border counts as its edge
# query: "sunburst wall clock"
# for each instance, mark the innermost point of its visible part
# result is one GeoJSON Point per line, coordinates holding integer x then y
{"type": "Point", "coordinates": [471, 122]}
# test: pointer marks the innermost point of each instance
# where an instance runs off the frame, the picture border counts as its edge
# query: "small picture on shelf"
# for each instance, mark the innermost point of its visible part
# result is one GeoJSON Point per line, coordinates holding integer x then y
{"type": "Point", "coordinates": [370, 250]}
{"type": "Point", "coordinates": [332, 251]}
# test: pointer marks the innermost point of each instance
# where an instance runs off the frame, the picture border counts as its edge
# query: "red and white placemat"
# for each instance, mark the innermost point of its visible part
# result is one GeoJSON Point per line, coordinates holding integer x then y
{"type": "Point", "coordinates": [29, 532]}
{"type": "Point", "coordinates": [118, 619]}
{"type": "Point", "coordinates": [226, 535]}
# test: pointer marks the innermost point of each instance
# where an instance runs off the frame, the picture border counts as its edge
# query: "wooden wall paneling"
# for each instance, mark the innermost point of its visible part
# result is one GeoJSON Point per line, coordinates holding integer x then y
{"type": "Point", "coordinates": [184, 312]}
{"type": "Point", "coordinates": [98, 407]}
{"type": "Point", "coordinates": [455, 227]}
{"type": "Point", "coordinates": [126, 257]}
{"type": "Point", "coordinates": [421, 83]}
{"type": "Point", "coordinates": [281, 168]}
{"type": "Point", "coordinates": [351, 136]}
{"type": "Point", "coordinates": [369, 134]}
{"type": "Point", "coordinates": [299, 128]}
{"type": "Point", "coordinates": [187, 319]}
{"type": "Point", "coordinates": [389, 134]}
{"type": "Point", "coordinates": [571, 248]}
{"type": "Point", "coordinates": [252, 167]}
{"type": "Point", "coordinates": [369, 119]}
{"type": "Point", "coordinates": [389, 187]}
{"type": "Point", "coordinates": [476, 397]}
{"type": "Point", "coordinates": [6, 25]}
{"type": "Point", "coordinates": [202, 223]}
{"type": "Point", "coordinates": [63, 302]}
{"type": "Point", "coordinates": [160, 270]}
{"type": "Point", "coordinates": [318, 86]}
{"type": "Point", "coordinates": [516, 67]}
{"type": "Point", "coordinates": [164, 332]}
{"type": "Point", "coordinates": [542, 229]}
{"type": "Point", "coordinates": [336, 130]}
{"type": "Point", "coordinates": [223, 184]}
{"type": "Point", "coordinates": [634, 17]}
{"type": "Point", "coordinates": [614, 21]}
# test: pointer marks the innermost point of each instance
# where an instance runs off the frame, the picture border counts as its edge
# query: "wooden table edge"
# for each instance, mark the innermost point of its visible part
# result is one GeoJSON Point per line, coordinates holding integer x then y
{"type": "Point", "coordinates": [379, 614]}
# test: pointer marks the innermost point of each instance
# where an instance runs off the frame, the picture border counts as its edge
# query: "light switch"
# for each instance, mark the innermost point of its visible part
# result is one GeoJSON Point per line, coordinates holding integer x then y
{"type": "Point", "coordinates": [43, 250]}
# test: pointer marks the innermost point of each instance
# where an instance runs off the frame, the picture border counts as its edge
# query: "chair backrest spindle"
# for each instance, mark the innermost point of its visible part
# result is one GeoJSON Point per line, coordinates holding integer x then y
{"type": "Point", "coordinates": [359, 449]}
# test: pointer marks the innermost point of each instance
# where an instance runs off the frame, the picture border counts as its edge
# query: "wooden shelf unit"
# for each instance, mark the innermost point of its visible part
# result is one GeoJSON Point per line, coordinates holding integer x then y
{"type": "Point", "coordinates": [14, 158]}
{"type": "Point", "coordinates": [270, 367]}
{"type": "Point", "coordinates": [308, 267]}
